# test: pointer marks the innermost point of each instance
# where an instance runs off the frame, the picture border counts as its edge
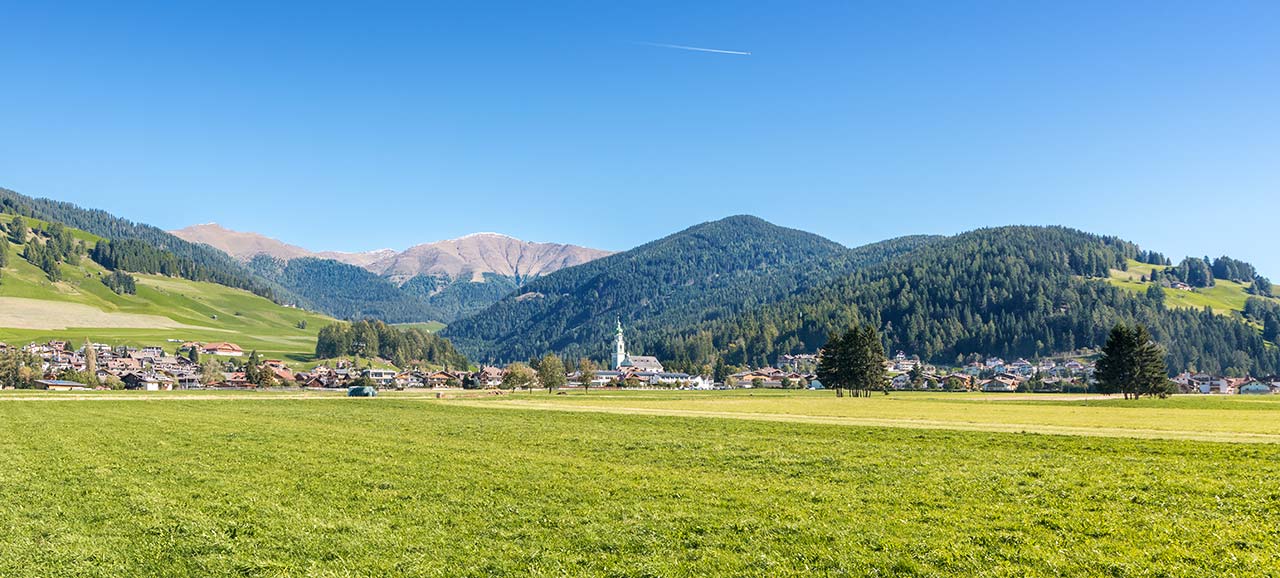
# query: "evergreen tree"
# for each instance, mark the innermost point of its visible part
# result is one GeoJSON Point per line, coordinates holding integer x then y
{"type": "Point", "coordinates": [18, 230]}
{"type": "Point", "coordinates": [1156, 294]}
{"type": "Point", "coordinates": [253, 371]}
{"type": "Point", "coordinates": [1132, 364]}
{"type": "Point", "coordinates": [90, 363]}
{"type": "Point", "coordinates": [867, 360]}
{"type": "Point", "coordinates": [830, 371]}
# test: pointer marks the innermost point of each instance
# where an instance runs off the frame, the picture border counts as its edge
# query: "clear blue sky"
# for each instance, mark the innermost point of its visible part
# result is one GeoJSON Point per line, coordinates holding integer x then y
{"type": "Point", "coordinates": [382, 125]}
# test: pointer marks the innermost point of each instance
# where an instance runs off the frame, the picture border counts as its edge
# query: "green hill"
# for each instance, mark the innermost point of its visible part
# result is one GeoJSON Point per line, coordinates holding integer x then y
{"type": "Point", "coordinates": [706, 272]}
{"type": "Point", "coordinates": [80, 306]}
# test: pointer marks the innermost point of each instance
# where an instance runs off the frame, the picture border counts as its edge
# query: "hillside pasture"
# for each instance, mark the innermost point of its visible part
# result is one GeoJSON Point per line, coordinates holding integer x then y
{"type": "Point", "coordinates": [80, 307]}
{"type": "Point", "coordinates": [1225, 297]}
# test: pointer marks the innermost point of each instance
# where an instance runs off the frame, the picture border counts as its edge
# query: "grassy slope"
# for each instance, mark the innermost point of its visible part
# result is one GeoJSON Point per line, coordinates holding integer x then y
{"type": "Point", "coordinates": [243, 318]}
{"type": "Point", "coordinates": [1225, 297]}
{"type": "Point", "coordinates": [428, 326]}
{"type": "Point", "coordinates": [380, 487]}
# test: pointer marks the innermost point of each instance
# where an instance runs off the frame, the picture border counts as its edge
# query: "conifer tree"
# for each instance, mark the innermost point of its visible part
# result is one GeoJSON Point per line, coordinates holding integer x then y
{"type": "Point", "coordinates": [1132, 364]}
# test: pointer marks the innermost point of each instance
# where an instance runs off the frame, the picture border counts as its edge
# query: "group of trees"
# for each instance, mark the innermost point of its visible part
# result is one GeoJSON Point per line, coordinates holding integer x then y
{"type": "Point", "coordinates": [548, 372]}
{"type": "Point", "coordinates": [141, 257]}
{"type": "Point", "coordinates": [1264, 312]}
{"type": "Point", "coordinates": [1202, 272]}
{"type": "Point", "coordinates": [1152, 258]}
{"type": "Point", "coordinates": [402, 346]}
{"type": "Point", "coordinates": [120, 282]}
{"type": "Point", "coordinates": [1132, 364]}
{"type": "Point", "coordinates": [46, 248]}
{"type": "Point", "coordinates": [853, 360]}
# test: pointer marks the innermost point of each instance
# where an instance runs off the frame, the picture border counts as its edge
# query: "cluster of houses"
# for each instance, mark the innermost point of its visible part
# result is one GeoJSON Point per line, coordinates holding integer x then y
{"type": "Point", "coordinates": [992, 374]}
{"type": "Point", "coordinates": [152, 368]}
{"type": "Point", "coordinates": [149, 368]}
{"type": "Point", "coordinates": [1207, 384]}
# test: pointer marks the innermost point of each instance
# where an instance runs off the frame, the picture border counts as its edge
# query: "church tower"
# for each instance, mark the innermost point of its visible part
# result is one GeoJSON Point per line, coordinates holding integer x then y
{"type": "Point", "coordinates": [619, 348]}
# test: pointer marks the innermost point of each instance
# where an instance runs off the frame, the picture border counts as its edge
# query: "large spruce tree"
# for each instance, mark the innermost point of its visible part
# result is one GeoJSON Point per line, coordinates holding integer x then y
{"type": "Point", "coordinates": [853, 360]}
{"type": "Point", "coordinates": [1132, 364]}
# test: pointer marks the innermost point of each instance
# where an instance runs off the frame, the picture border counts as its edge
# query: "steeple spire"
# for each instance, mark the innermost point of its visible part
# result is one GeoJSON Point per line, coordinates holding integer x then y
{"type": "Point", "coordinates": [619, 347]}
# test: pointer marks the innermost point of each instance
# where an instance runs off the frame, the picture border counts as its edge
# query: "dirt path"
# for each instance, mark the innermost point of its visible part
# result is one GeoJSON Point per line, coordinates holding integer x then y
{"type": "Point", "coordinates": [1117, 432]}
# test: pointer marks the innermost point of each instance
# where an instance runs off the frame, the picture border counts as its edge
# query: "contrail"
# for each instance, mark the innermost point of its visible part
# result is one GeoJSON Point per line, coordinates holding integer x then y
{"type": "Point", "coordinates": [695, 48]}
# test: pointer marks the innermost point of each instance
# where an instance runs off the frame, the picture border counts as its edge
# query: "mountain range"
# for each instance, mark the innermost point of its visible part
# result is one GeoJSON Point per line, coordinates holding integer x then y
{"type": "Point", "coordinates": [466, 258]}
{"type": "Point", "coordinates": [737, 291]}
{"type": "Point", "coordinates": [437, 281]}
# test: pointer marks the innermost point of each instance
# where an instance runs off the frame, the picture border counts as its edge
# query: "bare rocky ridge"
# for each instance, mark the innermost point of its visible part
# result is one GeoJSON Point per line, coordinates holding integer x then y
{"type": "Point", "coordinates": [467, 257]}
{"type": "Point", "coordinates": [474, 255]}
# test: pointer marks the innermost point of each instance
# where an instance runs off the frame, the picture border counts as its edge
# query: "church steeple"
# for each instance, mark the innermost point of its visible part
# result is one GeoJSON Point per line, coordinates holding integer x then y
{"type": "Point", "coordinates": [619, 347]}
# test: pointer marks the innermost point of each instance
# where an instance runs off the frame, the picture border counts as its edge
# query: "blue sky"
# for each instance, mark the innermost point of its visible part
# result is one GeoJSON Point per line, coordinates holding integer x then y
{"type": "Point", "coordinates": [376, 124]}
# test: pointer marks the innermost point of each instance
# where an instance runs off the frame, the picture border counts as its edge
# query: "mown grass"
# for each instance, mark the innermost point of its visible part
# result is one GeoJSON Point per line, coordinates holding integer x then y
{"type": "Point", "coordinates": [1223, 418]}
{"type": "Point", "coordinates": [387, 486]}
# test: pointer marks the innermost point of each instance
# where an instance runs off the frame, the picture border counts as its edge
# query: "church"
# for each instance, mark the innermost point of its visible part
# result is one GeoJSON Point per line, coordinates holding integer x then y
{"type": "Point", "coordinates": [623, 362]}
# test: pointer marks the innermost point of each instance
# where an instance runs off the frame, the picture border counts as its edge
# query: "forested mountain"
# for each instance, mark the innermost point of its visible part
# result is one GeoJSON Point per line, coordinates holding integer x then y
{"type": "Point", "coordinates": [1009, 291]}
{"type": "Point", "coordinates": [341, 290]}
{"type": "Point", "coordinates": [211, 264]}
{"type": "Point", "coordinates": [707, 272]}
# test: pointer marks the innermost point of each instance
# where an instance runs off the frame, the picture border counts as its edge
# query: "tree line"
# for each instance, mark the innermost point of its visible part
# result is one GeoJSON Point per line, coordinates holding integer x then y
{"type": "Point", "coordinates": [402, 346]}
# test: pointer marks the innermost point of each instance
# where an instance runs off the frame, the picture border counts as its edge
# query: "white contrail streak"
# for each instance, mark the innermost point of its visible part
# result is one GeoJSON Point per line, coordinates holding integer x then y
{"type": "Point", "coordinates": [695, 48]}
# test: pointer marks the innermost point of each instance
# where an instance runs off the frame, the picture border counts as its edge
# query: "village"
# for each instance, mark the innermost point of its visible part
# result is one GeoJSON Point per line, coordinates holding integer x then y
{"type": "Point", "coordinates": [56, 365]}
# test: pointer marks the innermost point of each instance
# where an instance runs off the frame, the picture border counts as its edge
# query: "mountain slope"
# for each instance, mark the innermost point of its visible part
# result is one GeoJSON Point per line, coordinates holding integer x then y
{"type": "Point", "coordinates": [470, 257]}
{"type": "Point", "coordinates": [1008, 291]}
{"type": "Point", "coordinates": [705, 272]}
{"type": "Point", "coordinates": [216, 266]}
{"type": "Point", "coordinates": [441, 281]}
{"type": "Point", "coordinates": [467, 258]}
{"type": "Point", "coordinates": [344, 291]}
{"type": "Point", "coordinates": [245, 245]}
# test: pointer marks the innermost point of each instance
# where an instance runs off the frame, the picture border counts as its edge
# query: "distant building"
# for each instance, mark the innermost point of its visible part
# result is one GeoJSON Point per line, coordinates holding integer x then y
{"type": "Point", "coordinates": [381, 377]}
{"type": "Point", "coordinates": [626, 362]}
{"type": "Point", "coordinates": [223, 348]}
{"type": "Point", "coordinates": [61, 385]}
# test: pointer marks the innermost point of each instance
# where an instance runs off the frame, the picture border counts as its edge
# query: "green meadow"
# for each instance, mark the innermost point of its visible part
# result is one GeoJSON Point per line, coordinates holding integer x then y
{"type": "Point", "coordinates": [630, 484]}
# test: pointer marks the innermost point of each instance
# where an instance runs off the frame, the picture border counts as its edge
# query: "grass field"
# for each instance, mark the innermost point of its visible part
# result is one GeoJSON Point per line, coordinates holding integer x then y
{"type": "Point", "coordinates": [406, 485]}
{"type": "Point", "coordinates": [80, 307]}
